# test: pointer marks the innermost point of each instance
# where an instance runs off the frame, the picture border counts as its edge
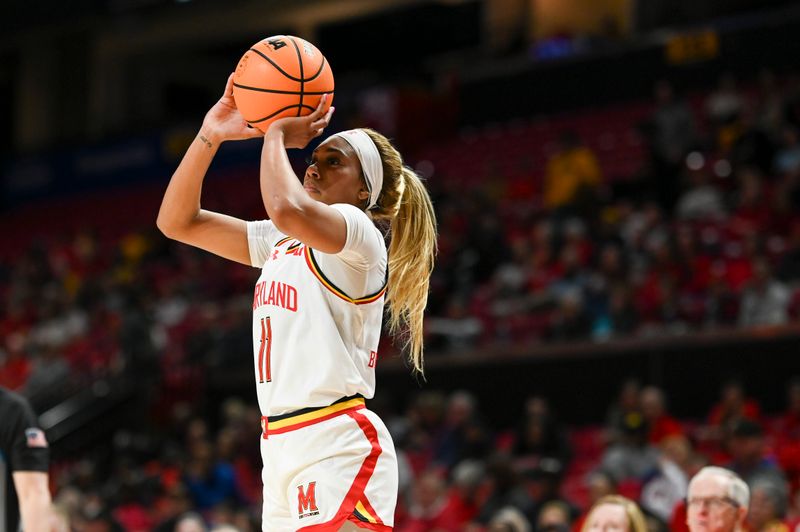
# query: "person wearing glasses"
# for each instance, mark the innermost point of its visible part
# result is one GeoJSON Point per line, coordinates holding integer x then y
{"type": "Point", "coordinates": [718, 500]}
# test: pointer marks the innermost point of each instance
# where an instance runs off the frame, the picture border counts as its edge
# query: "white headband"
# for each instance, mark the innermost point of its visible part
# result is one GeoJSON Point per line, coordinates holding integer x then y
{"type": "Point", "coordinates": [370, 160]}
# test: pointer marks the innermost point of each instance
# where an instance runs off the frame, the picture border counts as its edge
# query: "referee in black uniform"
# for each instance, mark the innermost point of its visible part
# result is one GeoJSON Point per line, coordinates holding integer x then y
{"type": "Point", "coordinates": [24, 461]}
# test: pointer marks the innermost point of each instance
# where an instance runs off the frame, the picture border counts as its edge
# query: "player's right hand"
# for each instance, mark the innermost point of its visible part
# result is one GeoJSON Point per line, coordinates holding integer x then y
{"type": "Point", "coordinates": [298, 131]}
{"type": "Point", "coordinates": [224, 121]}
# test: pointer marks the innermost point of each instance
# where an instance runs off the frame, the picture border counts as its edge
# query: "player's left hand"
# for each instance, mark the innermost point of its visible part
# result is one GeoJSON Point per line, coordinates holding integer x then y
{"type": "Point", "coordinates": [299, 130]}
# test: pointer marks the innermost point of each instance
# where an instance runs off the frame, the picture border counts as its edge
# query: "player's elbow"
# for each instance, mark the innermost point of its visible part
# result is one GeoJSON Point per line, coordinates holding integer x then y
{"type": "Point", "coordinates": [286, 214]}
{"type": "Point", "coordinates": [165, 226]}
{"type": "Point", "coordinates": [169, 226]}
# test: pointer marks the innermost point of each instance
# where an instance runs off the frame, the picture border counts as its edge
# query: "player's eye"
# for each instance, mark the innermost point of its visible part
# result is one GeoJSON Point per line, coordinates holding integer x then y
{"type": "Point", "coordinates": [311, 161]}
{"type": "Point", "coordinates": [333, 161]}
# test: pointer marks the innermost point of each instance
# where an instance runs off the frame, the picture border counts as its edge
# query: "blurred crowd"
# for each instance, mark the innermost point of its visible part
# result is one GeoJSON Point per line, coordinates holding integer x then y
{"type": "Point", "coordinates": [705, 235]}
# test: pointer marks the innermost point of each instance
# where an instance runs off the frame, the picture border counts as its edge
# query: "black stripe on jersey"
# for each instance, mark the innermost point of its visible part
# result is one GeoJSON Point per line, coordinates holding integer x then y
{"type": "Point", "coordinates": [327, 280]}
{"type": "Point", "coordinates": [360, 516]}
{"type": "Point", "coordinates": [273, 419]}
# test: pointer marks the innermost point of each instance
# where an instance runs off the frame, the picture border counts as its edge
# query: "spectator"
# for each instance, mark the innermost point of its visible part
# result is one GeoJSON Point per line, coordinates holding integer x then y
{"type": "Point", "coordinates": [554, 517]}
{"type": "Point", "coordinates": [209, 481]}
{"type": "Point", "coordinates": [539, 435]}
{"type": "Point", "coordinates": [748, 454]}
{"type": "Point", "coordinates": [15, 367]}
{"type": "Point", "coordinates": [627, 402]}
{"type": "Point", "coordinates": [571, 321]}
{"type": "Point", "coordinates": [542, 481]}
{"type": "Point", "coordinates": [667, 487]}
{"type": "Point", "coordinates": [572, 176]}
{"type": "Point", "coordinates": [733, 405]}
{"type": "Point", "coordinates": [617, 513]}
{"type": "Point", "coordinates": [464, 497]}
{"type": "Point", "coordinates": [768, 502]}
{"type": "Point", "coordinates": [504, 489]}
{"type": "Point", "coordinates": [429, 508]}
{"type": "Point", "coordinates": [457, 330]}
{"type": "Point", "coordinates": [765, 301]}
{"type": "Point", "coordinates": [509, 519]}
{"type": "Point", "coordinates": [632, 458]}
{"type": "Point", "coordinates": [660, 424]}
{"type": "Point", "coordinates": [723, 108]}
{"type": "Point", "coordinates": [702, 200]}
{"type": "Point", "coordinates": [671, 134]}
{"type": "Point", "coordinates": [191, 522]}
{"type": "Point", "coordinates": [623, 316]}
{"type": "Point", "coordinates": [752, 211]}
{"type": "Point", "coordinates": [718, 500]}
{"type": "Point", "coordinates": [463, 435]}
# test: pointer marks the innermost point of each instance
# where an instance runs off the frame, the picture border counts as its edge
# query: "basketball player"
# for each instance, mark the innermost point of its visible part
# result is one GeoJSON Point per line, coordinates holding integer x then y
{"type": "Point", "coordinates": [24, 459]}
{"type": "Point", "coordinates": [329, 463]}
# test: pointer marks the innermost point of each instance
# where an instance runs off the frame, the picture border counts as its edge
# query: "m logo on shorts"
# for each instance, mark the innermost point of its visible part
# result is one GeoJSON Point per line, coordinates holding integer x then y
{"type": "Point", "coordinates": [307, 501]}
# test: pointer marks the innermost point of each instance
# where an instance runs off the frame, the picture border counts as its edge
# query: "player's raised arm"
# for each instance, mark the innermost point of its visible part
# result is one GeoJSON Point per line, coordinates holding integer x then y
{"type": "Point", "coordinates": [181, 217]}
{"type": "Point", "coordinates": [303, 210]}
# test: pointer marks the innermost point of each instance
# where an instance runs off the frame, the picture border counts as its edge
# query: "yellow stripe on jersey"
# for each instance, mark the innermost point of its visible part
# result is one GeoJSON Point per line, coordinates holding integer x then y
{"type": "Point", "coordinates": [316, 414]}
{"type": "Point", "coordinates": [282, 241]}
{"type": "Point", "coordinates": [315, 269]}
{"type": "Point", "coordinates": [363, 511]}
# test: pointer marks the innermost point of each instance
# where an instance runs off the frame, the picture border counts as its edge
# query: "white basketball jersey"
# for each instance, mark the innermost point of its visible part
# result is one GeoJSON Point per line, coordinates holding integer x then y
{"type": "Point", "coordinates": [316, 317]}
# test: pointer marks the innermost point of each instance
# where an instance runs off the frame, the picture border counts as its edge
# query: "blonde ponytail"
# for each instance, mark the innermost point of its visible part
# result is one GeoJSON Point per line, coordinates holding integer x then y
{"type": "Point", "coordinates": [404, 201]}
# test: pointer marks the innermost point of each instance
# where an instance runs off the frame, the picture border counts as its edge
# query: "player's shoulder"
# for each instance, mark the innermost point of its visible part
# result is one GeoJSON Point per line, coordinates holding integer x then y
{"type": "Point", "coordinates": [353, 214]}
{"type": "Point", "coordinates": [348, 209]}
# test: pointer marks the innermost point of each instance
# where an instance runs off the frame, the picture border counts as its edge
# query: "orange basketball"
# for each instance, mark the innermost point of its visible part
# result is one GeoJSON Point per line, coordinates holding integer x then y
{"type": "Point", "coordinates": [281, 76]}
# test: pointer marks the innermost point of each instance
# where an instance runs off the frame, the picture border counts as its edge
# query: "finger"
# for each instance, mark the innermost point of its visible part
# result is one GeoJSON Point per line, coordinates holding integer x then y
{"type": "Point", "coordinates": [324, 121]}
{"type": "Point", "coordinates": [317, 113]}
{"type": "Point", "coordinates": [229, 86]}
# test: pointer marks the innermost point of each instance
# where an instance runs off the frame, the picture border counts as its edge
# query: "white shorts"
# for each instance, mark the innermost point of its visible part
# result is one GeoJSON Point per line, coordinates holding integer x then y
{"type": "Point", "coordinates": [326, 466]}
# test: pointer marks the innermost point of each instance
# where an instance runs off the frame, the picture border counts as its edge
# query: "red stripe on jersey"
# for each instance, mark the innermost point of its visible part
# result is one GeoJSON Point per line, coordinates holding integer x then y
{"type": "Point", "coordinates": [356, 491]}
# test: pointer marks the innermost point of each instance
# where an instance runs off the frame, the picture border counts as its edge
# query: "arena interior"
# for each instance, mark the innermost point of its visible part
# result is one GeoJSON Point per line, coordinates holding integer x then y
{"type": "Point", "coordinates": [616, 299]}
